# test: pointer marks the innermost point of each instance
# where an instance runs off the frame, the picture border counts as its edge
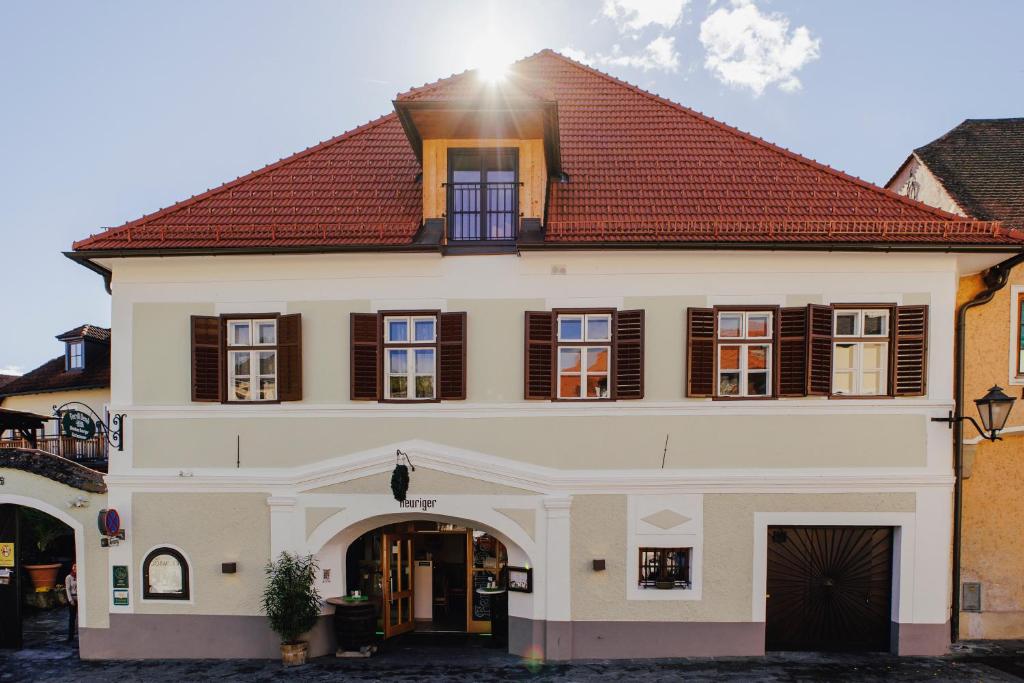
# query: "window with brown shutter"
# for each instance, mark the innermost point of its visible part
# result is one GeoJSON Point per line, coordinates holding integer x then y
{"type": "Point", "coordinates": [700, 352]}
{"type": "Point", "coordinates": [792, 353]}
{"type": "Point", "coordinates": [584, 355]}
{"type": "Point", "coordinates": [910, 364]}
{"type": "Point", "coordinates": [540, 350]}
{"type": "Point", "coordinates": [408, 356]}
{"type": "Point", "coordinates": [254, 358]}
{"type": "Point", "coordinates": [819, 350]}
{"type": "Point", "coordinates": [744, 352]}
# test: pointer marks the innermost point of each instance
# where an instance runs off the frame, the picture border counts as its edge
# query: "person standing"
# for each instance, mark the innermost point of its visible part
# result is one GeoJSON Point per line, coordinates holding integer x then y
{"type": "Point", "coordinates": [71, 589]}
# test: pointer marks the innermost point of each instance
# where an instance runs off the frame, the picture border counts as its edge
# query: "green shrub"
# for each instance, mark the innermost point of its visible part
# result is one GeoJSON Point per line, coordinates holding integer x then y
{"type": "Point", "coordinates": [291, 600]}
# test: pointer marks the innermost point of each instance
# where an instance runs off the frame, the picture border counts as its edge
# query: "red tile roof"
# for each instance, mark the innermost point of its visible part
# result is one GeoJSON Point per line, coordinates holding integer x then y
{"type": "Point", "coordinates": [640, 169]}
{"type": "Point", "coordinates": [93, 332]}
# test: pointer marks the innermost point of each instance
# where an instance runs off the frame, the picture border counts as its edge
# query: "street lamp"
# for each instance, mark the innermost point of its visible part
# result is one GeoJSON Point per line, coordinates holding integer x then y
{"type": "Point", "coordinates": [994, 409]}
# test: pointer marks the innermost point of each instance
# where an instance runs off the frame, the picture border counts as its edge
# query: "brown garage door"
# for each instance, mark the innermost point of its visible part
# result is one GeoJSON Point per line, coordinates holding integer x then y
{"type": "Point", "coordinates": [829, 588]}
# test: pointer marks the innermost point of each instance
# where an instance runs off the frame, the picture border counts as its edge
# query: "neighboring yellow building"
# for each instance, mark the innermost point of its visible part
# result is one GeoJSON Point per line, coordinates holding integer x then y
{"type": "Point", "coordinates": [976, 170]}
{"type": "Point", "coordinates": [81, 374]}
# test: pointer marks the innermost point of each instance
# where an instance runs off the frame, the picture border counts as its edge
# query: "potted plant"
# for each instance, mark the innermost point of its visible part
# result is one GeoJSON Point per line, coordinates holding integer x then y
{"type": "Point", "coordinates": [292, 603]}
{"type": "Point", "coordinates": [44, 531]}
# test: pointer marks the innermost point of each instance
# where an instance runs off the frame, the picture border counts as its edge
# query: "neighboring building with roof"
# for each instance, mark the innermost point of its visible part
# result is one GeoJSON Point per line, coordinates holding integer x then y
{"type": "Point", "coordinates": [80, 374]}
{"type": "Point", "coordinates": [671, 383]}
{"type": "Point", "coordinates": [977, 170]}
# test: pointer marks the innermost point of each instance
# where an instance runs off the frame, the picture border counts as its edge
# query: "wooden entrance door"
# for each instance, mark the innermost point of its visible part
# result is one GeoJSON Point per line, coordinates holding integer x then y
{"type": "Point", "coordinates": [829, 588]}
{"type": "Point", "coordinates": [398, 584]}
{"type": "Point", "coordinates": [10, 584]}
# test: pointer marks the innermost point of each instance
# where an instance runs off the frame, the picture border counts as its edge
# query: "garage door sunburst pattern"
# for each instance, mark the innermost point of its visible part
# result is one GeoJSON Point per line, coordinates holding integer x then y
{"type": "Point", "coordinates": [829, 588]}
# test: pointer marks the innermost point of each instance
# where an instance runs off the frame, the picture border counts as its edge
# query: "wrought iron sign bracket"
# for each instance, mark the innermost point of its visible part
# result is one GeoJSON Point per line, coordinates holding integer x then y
{"type": "Point", "coordinates": [952, 419]}
{"type": "Point", "coordinates": [112, 431]}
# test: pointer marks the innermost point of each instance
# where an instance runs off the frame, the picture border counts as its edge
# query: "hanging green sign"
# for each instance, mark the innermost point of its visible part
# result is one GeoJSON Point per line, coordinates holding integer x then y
{"type": "Point", "coordinates": [77, 425]}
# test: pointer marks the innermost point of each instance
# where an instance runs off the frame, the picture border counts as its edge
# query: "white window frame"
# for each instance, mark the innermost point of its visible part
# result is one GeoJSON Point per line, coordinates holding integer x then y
{"type": "Point", "coordinates": [859, 339]}
{"type": "Point", "coordinates": [582, 345]}
{"type": "Point", "coordinates": [80, 346]}
{"type": "Point", "coordinates": [744, 341]}
{"type": "Point", "coordinates": [410, 346]}
{"type": "Point", "coordinates": [258, 347]}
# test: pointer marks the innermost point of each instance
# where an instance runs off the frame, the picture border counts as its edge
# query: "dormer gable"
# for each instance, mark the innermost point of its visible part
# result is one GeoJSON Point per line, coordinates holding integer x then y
{"type": "Point", "coordinates": [78, 343]}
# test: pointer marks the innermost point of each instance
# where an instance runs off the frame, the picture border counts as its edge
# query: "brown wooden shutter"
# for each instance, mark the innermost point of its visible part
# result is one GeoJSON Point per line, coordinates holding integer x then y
{"type": "Point", "coordinates": [628, 362]}
{"type": "Point", "coordinates": [792, 373]}
{"type": "Point", "coordinates": [911, 351]}
{"type": "Point", "coordinates": [540, 350]}
{"type": "Point", "coordinates": [819, 350]}
{"type": "Point", "coordinates": [207, 359]}
{"type": "Point", "coordinates": [289, 357]}
{"type": "Point", "coordinates": [700, 351]}
{"type": "Point", "coordinates": [451, 351]}
{"type": "Point", "coordinates": [365, 356]}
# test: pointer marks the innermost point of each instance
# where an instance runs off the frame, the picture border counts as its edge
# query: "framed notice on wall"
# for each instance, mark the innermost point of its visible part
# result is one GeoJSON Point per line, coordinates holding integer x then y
{"type": "Point", "coordinates": [520, 579]}
{"type": "Point", "coordinates": [120, 576]}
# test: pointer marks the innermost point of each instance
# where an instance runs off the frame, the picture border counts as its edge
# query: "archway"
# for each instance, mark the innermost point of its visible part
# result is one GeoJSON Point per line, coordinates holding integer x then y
{"type": "Point", "coordinates": [490, 542]}
{"type": "Point", "coordinates": [40, 543]}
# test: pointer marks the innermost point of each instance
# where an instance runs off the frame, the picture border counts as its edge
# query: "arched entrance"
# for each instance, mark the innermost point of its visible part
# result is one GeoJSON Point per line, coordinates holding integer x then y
{"type": "Point", "coordinates": [428, 572]}
{"type": "Point", "coordinates": [39, 545]}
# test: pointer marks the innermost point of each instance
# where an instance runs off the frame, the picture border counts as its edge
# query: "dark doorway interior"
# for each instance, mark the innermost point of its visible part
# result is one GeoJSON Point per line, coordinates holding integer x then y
{"type": "Point", "coordinates": [829, 588]}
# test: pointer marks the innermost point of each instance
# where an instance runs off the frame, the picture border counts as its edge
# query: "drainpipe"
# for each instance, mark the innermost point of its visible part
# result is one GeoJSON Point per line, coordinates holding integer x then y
{"type": "Point", "coordinates": [995, 278]}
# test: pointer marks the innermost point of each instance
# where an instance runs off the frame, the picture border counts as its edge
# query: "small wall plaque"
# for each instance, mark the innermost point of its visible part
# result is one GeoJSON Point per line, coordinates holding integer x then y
{"type": "Point", "coordinates": [228, 567]}
{"type": "Point", "coordinates": [120, 598]}
{"type": "Point", "coordinates": [120, 576]}
{"type": "Point", "coordinates": [971, 601]}
{"type": "Point", "coordinates": [599, 565]}
{"type": "Point", "coordinates": [520, 579]}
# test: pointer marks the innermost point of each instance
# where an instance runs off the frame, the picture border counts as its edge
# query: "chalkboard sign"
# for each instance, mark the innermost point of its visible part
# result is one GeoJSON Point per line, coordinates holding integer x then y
{"type": "Point", "coordinates": [481, 602]}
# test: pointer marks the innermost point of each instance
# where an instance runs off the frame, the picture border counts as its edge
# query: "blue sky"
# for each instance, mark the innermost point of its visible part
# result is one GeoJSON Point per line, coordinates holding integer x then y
{"type": "Point", "coordinates": [115, 109]}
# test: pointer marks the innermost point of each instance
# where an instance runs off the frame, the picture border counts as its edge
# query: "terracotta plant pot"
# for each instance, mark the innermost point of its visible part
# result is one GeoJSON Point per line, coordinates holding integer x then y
{"type": "Point", "coordinates": [294, 654]}
{"type": "Point", "coordinates": [43, 576]}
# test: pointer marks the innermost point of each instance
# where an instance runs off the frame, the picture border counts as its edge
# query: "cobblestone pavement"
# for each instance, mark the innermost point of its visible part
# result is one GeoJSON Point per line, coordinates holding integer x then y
{"type": "Point", "coordinates": [48, 659]}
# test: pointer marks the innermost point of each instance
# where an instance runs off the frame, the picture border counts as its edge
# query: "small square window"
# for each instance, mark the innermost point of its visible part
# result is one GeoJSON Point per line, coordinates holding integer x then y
{"type": "Point", "coordinates": [759, 325]}
{"type": "Point", "coordinates": [238, 333]}
{"type": "Point", "coordinates": [847, 324]}
{"type": "Point", "coordinates": [423, 329]}
{"type": "Point", "coordinates": [730, 325]}
{"type": "Point", "coordinates": [570, 328]}
{"type": "Point", "coordinates": [876, 323]}
{"type": "Point", "coordinates": [398, 329]}
{"type": "Point", "coordinates": [599, 327]}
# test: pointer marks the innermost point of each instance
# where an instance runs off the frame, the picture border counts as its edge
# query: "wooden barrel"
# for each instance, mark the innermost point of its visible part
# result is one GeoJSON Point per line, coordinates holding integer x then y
{"type": "Point", "coordinates": [355, 624]}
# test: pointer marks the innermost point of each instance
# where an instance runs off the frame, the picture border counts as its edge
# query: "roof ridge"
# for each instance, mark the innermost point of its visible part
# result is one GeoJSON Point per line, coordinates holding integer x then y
{"type": "Point", "coordinates": [283, 161]}
{"type": "Point", "coordinates": [753, 138]}
{"type": "Point", "coordinates": [427, 87]}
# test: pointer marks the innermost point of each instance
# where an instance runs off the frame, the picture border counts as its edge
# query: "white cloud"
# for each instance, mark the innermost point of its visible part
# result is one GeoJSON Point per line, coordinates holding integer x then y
{"type": "Point", "coordinates": [748, 49]}
{"type": "Point", "coordinates": [634, 15]}
{"type": "Point", "coordinates": [11, 370]}
{"type": "Point", "coordinates": [660, 53]}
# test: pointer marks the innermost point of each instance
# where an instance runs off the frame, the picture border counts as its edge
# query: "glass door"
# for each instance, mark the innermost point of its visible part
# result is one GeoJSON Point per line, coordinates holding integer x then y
{"type": "Point", "coordinates": [398, 587]}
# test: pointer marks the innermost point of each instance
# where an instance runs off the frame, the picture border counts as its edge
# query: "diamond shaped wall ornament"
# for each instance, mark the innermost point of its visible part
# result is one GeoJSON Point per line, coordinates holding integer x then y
{"type": "Point", "coordinates": [665, 519]}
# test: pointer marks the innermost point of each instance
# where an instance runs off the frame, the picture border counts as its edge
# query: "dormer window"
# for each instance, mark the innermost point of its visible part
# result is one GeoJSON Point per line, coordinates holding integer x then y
{"type": "Point", "coordinates": [75, 355]}
{"type": "Point", "coordinates": [483, 195]}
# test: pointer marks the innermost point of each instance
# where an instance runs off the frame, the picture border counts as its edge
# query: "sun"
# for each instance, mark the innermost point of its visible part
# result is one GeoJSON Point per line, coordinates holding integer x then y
{"type": "Point", "coordinates": [493, 68]}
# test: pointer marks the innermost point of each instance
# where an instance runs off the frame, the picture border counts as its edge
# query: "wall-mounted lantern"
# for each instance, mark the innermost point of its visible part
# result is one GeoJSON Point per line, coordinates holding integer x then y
{"type": "Point", "coordinates": [994, 409]}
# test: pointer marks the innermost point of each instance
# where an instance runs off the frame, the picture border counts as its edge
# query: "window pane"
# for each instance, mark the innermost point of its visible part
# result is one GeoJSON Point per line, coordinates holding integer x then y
{"type": "Point", "coordinates": [729, 357]}
{"type": "Point", "coordinates": [570, 328]}
{"type": "Point", "coordinates": [268, 362]}
{"type": "Point", "coordinates": [730, 324]}
{"type": "Point", "coordinates": [757, 325]}
{"type": "Point", "coordinates": [871, 383]}
{"type": "Point", "coordinates": [842, 383]}
{"type": "Point", "coordinates": [729, 384]}
{"type": "Point", "coordinates": [268, 389]}
{"type": "Point", "coordinates": [599, 327]}
{"type": "Point", "coordinates": [425, 386]}
{"type": "Point", "coordinates": [240, 362]}
{"type": "Point", "coordinates": [399, 385]}
{"type": "Point", "coordinates": [424, 330]}
{"type": "Point", "coordinates": [597, 360]}
{"type": "Point", "coordinates": [757, 384]}
{"type": "Point", "coordinates": [398, 330]}
{"type": "Point", "coordinates": [241, 389]}
{"type": "Point", "coordinates": [843, 357]}
{"type": "Point", "coordinates": [398, 361]}
{"type": "Point", "coordinates": [165, 575]}
{"type": "Point", "coordinates": [569, 360]}
{"type": "Point", "coordinates": [569, 386]}
{"type": "Point", "coordinates": [597, 387]}
{"type": "Point", "coordinates": [266, 332]}
{"type": "Point", "coordinates": [240, 334]}
{"type": "Point", "coordinates": [846, 323]}
{"type": "Point", "coordinates": [757, 357]}
{"type": "Point", "coordinates": [424, 361]}
{"type": "Point", "coordinates": [873, 356]}
{"type": "Point", "coordinates": [875, 323]}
